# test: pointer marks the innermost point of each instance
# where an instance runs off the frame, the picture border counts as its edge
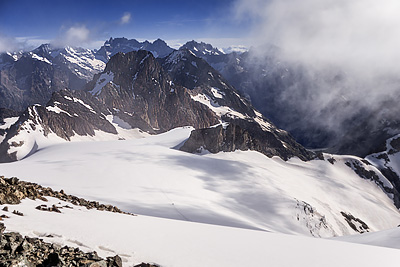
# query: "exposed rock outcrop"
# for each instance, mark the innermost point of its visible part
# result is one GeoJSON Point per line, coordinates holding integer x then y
{"type": "Point", "coordinates": [355, 223]}
{"type": "Point", "coordinates": [12, 191]}
{"type": "Point", "coordinates": [245, 135]}
{"type": "Point", "coordinates": [16, 250]}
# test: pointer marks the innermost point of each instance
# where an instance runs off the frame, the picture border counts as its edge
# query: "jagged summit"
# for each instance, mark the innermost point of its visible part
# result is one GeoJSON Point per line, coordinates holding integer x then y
{"type": "Point", "coordinates": [114, 45]}
{"type": "Point", "coordinates": [202, 49]}
{"type": "Point", "coordinates": [42, 50]}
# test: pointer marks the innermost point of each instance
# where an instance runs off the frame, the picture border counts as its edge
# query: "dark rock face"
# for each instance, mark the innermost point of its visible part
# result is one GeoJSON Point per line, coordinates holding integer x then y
{"type": "Point", "coordinates": [122, 45]}
{"type": "Point", "coordinates": [83, 114]}
{"type": "Point", "coordinates": [141, 87]}
{"type": "Point", "coordinates": [8, 113]}
{"type": "Point", "coordinates": [245, 135]}
{"type": "Point", "coordinates": [196, 74]}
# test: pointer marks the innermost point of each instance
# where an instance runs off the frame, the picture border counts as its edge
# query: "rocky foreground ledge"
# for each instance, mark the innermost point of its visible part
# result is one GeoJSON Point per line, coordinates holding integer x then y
{"type": "Point", "coordinates": [12, 191]}
{"type": "Point", "coordinates": [16, 250]}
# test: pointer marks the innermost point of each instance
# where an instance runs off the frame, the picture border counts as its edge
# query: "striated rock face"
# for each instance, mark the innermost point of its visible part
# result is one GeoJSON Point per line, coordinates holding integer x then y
{"type": "Point", "coordinates": [245, 135]}
{"type": "Point", "coordinates": [81, 114]}
{"type": "Point", "coordinates": [135, 83]}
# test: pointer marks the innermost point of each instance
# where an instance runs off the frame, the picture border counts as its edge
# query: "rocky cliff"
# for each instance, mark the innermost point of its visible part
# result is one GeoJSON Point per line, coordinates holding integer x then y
{"type": "Point", "coordinates": [135, 83]}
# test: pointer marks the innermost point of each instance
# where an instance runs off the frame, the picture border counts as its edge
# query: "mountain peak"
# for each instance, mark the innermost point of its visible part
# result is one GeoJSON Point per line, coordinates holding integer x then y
{"type": "Point", "coordinates": [202, 49]}
{"type": "Point", "coordinates": [111, 47]}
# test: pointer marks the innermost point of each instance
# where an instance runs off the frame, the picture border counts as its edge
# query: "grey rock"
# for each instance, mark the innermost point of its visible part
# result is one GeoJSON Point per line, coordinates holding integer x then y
{"type": "Point", "coordinates": [245, 135]}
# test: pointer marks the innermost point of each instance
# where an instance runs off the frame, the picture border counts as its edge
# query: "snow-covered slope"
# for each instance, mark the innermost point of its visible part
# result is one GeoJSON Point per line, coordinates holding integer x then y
{"type": "Point", "coordinates": [387, 238]}
{"type": "Point", "coordinates": [66, 117]}
{"type": "Point", "coordinates": [79, 61]}
{"type": "Point", "coordinates": [241, 189]}
{"type": "Point", "coordinates": [170, 243]}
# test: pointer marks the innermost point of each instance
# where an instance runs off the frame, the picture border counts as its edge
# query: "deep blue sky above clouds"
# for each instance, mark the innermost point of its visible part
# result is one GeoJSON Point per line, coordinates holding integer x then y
{"type": "Point", "coordinates": [92, 22]}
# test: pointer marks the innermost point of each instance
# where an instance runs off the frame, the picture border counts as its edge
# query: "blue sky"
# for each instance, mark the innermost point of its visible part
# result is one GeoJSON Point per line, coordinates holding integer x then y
{"type": "Point", "coordinates": [89, 23]}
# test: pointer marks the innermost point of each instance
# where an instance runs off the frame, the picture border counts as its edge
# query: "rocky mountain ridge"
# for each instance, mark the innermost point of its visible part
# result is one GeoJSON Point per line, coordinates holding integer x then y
{"type": "Point", "coordinates": [158, 48]}
{"type": "Point", "coordinates": [143, 94]}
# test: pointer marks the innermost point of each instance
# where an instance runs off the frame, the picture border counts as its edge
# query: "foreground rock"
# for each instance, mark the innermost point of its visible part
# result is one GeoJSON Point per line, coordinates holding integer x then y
{"type": "Point", "coordinates": [16, 250]}
{"type": "Point", "coordinates": [12, 191]}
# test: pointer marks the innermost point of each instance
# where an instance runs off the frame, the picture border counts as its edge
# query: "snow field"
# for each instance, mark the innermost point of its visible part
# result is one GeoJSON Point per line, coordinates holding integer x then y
{"type": "Point", "coordinates": [172, 243]}
{"type": "Point", "coordinates": [240, 189]}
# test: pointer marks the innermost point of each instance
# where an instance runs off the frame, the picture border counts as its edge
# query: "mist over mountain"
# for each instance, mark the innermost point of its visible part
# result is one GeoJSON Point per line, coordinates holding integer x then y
{"type": "Point", "coordinates": [336, 73]}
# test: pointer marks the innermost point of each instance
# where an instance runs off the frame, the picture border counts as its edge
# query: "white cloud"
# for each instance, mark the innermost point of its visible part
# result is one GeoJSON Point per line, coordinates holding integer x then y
{"type": "Point", "coordinates": [74, 36]}
{"type": "Point", "coordinates": [79, 34]}
{"type": "Point", "coordinates": [354, 33]}
{"type": "Point", "coordinates": [8, 44]}
{"type": "Point", "coordinates": [126, 18]}
{"type": "Point", "coordinates": [356, 40]}
{"type": "Point", "coordinates": [31, 42]}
